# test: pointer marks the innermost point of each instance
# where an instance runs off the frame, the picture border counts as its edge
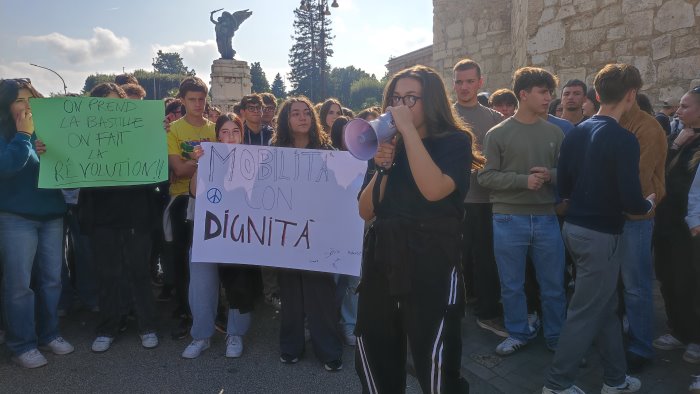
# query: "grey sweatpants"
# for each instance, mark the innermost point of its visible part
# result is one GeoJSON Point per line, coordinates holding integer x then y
{"type": "Point", "coordinates": [591, 317]}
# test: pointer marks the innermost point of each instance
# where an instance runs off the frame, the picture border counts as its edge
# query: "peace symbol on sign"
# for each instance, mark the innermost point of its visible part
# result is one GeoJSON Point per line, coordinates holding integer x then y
{"type": "Point", "coordinates": [214, 195]}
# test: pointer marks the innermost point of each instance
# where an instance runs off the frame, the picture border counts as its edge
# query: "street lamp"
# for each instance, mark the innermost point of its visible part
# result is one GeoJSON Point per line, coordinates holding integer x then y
{"type": "Point", "coordinates": [323, 11]}
{"type": "Point", "coordinates": [65, 88]}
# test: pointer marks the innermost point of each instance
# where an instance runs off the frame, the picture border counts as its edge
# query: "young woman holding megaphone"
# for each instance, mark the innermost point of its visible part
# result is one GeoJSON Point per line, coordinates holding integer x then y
{"type": "Point", "coordinates": [411, 286]}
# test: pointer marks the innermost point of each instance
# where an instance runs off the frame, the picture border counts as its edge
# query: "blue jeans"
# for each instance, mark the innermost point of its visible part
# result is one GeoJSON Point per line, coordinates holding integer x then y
{"type": "Point", "coordinates": [347, 299]}
{"type": "Point", "coordinates": [203, 299]}
{"type": "Point", "coordinates": [514, 238]}
{"type": "Point", "coordinates": [637, 278]}
{"type": "Point", "coordinates": [30, 248]}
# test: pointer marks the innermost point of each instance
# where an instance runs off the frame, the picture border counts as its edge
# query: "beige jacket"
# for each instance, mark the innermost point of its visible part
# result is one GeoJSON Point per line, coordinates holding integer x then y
{"type": "Point", "coordinates": [652, 158]}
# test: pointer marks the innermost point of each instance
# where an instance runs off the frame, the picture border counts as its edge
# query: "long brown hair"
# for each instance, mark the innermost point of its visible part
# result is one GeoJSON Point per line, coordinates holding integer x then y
{"type": "Point", "coordinates": [9, 91]}
{"type": "Point", "coordinates": [323, 112]}
{"type": "Point", "coordinates": [318, 139]}
{"type": "Point", "coordinates": [440, 117]}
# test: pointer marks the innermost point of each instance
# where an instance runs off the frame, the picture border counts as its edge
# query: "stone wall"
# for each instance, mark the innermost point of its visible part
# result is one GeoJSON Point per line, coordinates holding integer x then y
{"type": "Point", "coordinates": [573, 38]}
{"type": "Point", "coordinates": [478, 29]}
{"type": "Point", "coordinates": [423, 56]}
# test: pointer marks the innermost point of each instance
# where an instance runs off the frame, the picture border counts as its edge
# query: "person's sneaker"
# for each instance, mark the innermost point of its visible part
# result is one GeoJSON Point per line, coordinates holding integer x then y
{"type": "Point", "coordinates": [102, 344]}
{"type": "Point", "coordinates": [149, 340]}
{"type": "Point", "coordinates": [630, 385]}
{"type": "Point", "coordinates": [31, 359]}
{"type": "Point", "coordinates": [509, 346]}
{"type": "Point", "coordinates": [570, 390]}
{"type": "Point", "coordinates": [667, 342]}
{"type": "Point", "coordinates": [636, 363]}
{"type": "Point", "coordinates": [692, 353]}
{"type": "Point", "coordinates": [234, 346]}
{"type": "Point", "coordinates": [194, 349]}
{"type": "Point", "coordinates": [534, 322]}
{"type": "Point", "coordinates": [288, 359]}
{"type": "Point", "coordinates": [493, 325]}
{"type": "Point", "coordinates": [333, 366]}
{"type": "Point", "coordinates": [60, 346]}
{"type": "Point", "coordinates": [182, 330]}
{"type": "Point", "coordinates": [694, 387]}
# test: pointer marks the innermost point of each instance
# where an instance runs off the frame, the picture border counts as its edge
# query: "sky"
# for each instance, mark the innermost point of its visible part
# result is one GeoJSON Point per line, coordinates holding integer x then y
{"type": "Point", "coordinates": [77, 38]}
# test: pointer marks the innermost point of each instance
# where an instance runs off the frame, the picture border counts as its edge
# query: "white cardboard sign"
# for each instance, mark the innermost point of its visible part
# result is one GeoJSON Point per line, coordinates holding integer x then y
{"type": "Point", "coordinates": [279, 207]}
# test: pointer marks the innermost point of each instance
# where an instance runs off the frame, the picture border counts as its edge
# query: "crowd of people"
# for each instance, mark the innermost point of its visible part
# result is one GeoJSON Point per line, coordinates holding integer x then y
{"type": "Point", "coordinates": [543, 214]}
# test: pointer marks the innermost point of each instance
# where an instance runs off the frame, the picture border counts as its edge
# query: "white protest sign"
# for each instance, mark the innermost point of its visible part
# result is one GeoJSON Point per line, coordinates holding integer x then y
{"type": "Point", "coordinates": [280, 207]}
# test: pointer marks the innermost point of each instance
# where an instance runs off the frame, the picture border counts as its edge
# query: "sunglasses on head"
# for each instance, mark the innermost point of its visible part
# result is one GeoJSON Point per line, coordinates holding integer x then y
{"type": "Point", "coordinates": [18, 81]}
{"type": "Point", "coordinates": [696, 89]}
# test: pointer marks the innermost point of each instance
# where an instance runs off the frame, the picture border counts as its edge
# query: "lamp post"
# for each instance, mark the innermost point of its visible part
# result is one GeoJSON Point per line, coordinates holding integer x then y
{"type": "Point", "coordinates": [65, 88]}
{"type": "Point", "coordinates": [320, 6]}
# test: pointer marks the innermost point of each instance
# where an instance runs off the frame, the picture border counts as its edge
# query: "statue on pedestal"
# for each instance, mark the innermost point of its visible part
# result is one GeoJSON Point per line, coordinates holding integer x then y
{"type": "Point", "coordinates": [225, 28]}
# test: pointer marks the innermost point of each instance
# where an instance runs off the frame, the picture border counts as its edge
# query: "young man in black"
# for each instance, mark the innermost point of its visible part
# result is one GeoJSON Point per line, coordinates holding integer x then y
{"type": "Point", "coordinates": [598, 172]}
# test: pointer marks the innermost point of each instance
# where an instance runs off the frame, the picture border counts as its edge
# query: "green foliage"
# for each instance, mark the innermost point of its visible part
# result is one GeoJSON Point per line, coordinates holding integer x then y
{"type": "Point", "coordinates": [258, 79]}
{"type": "Point", "coordinates": [365, 92]}
{"type": "Point", "coordinates": [278, 88]}
{"type": "Point", "coordinates": [308, 57]}
{"type": "Point", "coordinates": [340, 80]}
{"type": "Point", "coordinates": [157, 85]}
{"type": "Point", "coordinates": [170, 63]}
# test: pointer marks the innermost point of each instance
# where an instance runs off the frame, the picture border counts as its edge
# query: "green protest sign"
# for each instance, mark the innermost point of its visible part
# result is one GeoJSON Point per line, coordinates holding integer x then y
{"type": "Point", "coordinates": [95, 141]}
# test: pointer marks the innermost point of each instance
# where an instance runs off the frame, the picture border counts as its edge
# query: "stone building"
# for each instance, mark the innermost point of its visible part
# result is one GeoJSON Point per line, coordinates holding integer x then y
{"type": "Point", "coordinates": [422, 56]}
{"type": "Point", "coordinates": [573, 39]}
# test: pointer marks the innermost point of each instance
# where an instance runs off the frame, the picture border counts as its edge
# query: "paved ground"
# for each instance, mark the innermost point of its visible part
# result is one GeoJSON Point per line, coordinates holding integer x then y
{"type": "Point", "coordinates": [523, 372]}
{"type": "Point", "coordinates": [129, 368]}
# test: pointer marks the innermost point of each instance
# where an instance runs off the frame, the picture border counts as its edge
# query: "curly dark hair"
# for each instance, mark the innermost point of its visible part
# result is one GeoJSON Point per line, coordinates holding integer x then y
{"type": "Point", "coordinates": [104, 89]}
{"type": "Point", "coordinates": [318, 139]}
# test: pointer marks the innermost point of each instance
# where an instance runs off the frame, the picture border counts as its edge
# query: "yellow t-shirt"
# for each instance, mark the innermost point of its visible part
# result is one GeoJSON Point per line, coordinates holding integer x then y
{"type": "Point", "coordinates": [182, 139]}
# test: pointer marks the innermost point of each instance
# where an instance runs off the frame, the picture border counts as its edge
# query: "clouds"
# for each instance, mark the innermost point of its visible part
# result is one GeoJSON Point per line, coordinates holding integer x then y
{"type": "Point", "coordinates": [102, 45]}
{"type": "Point", "coordinates": [198, 55]}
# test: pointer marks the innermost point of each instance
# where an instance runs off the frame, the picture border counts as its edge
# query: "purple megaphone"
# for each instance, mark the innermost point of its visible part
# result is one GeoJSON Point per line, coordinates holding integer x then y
{"type": "Point", "coordinates": [362, 138]}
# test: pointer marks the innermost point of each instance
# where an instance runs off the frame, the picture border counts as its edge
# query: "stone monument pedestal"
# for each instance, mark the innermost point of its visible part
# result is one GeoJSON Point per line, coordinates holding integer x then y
{"type": "Point", "coordinates": [230, 81]}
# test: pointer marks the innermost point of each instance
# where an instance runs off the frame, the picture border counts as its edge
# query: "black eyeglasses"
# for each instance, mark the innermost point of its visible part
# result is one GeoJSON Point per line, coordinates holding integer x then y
{"type": "Point", "coordinates": [408, 100]}
{"type": "Point", "coordinates": [253, 109]}
{"type": "Point", "coordinates": [269, 109]}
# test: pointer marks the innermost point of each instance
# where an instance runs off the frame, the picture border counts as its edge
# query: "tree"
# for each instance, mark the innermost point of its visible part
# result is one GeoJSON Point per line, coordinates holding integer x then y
{"type": "Point", "coordinates": [340, 80]}
{"type": "Point", "coordinates": [308, 57]}
{"type": "Point", "coordinates": [258, 79]}
{"type": "Point", "coordinates": [366, 92]}
{"type": "Point", "coordinates": [157, 85]}
{"type": "Point", "coordinates": [170, 63]}
{"type": "Point", "coordinates": [278, 88]}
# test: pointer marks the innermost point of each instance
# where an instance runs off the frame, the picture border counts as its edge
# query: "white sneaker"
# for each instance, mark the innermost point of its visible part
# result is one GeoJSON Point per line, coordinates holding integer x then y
{"type": "Point", "coordinates": [194, 349]}
{"type": "Point", "coordinates": [694, 387]}
{"type": "Point", "coordinates": [631, 385]}
{"type": "Point", "coordinates": [692, 353]}
{"type": "Point", "coordinates": [149, 340]}
{"type": "Point", "coordinates": [509, 346]}
{"type": "Point", "coordinates": [60, 346]}
{"type": "Point", "coordinates": [234, 346]}
{"type": "Point", "coordinates": [667, 342]}
{"type": "Point", "coordinates": [571, 390]}
{"type": "Point", "coordinates": [534, 322]}
{"type": "Point", "coordinates": [102, 344]}
{"type": "Point", "coordinates": [31, 359]}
